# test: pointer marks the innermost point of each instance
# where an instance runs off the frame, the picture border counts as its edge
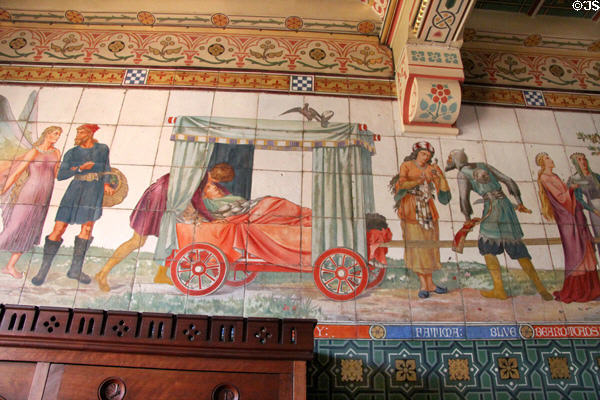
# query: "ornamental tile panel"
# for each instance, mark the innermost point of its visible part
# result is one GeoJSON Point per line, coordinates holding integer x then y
{"type": "Point", "coordinates": [347, 56]}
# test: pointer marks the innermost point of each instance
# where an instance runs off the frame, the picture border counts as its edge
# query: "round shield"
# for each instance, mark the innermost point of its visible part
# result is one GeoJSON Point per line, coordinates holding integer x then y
{"type": "Point", "coordinates": [118, 182]}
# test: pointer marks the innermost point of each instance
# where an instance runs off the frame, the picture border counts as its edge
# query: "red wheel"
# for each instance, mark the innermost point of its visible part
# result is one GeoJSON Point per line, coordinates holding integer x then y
{"type": "Point", "coordinates": [341, 274]}
{"type": "Point", "coordinates": [237, 278]}
{"type": "Point", "coordinates": [376, 275]}
{"type": "Point", "coordinates": [199, 269]}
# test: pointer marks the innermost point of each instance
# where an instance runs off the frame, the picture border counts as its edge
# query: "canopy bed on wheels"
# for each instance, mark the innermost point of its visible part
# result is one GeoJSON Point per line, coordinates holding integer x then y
{"type": "Point", "coordinates": [271, 234]}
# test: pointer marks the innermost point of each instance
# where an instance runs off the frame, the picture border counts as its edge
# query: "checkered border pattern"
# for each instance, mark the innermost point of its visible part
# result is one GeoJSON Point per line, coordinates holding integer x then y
{"type": "Point", "coordinates": [302, 83]}
{"type": "Point", "coordinates": [135, 77]}
{"type": "Point", "coordinates": [534, 98]}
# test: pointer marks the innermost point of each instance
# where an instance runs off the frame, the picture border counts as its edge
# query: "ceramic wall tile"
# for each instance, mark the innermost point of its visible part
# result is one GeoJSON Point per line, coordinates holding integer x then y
{"type": "Point", "coordinates": [277, 160]}
{"type": "Point", "coordinates": [593, 159]}
{"type": "Point", "coordinates": [498, 124]}
{"type": "Point", "coordinates": [144, 107]}
{"type": "Point", "coordinates": [475, 277]}
{"type": "Point", "coordinates": [189, 103]}
{"type": "Point", "coordinates": [57, 290]}
{"type": "Point", "coordinates": [235, 105]}
{"type": "Point", "coordinates": [138, 180]}
{"type": "Point", "coordinates": [384, 199]}
{"type": "Point", "coordinates": [377, 114]}
{"type": "Point", "coordinates": [529, 305]}
{"type": "Point", "coordinates": [66, 142]}
{"type": "Point", "coordinates": [103, 135]}
{"type": "Point", "coordinates": [99, 106]}
{"type": "Point", "coordinates": [538, 126]}
{"type": "Point", "coordinates": [17, 97]}
{"type": "Point", "coordinates": [279, 295]}
{"type": "Point", "coordinates": [272, 106]}
{"type": "Point", "coordinates": [596, 118]}
{"type": "Point", "coordinates": [569, 123]}
{"type": "Point", "coordinates": [393, 289]}
{"type": "Point", "coordinates": [396, 118]}
{"type": "Point", "coordinates": [120, 283]}
{"type": "Point", "coordinates": [149, 296]}
{"type": "Point", "coordinates": [338, 105]}
{"type": "Point", "coordinates": [58, 111]}
{"type": "Point", "coordinates": [164, 153]}
{"type": "Point", "coordinates": [454, 205]}
{"type": "Point", "coordinates": [556, 153]}
{"type": "Point", "coordinates": [468, 124]}
{"type": "Point", "coordinates": [385, 160]}
{"type": "Point", "coordinates": [404, 146]}
{"type": "Point", "coordinates": [286, 184]}
{"type": "Point", "coordinates": [307, 189]}
{"type": "Point", "coordinates": [445, 308]}
{"type": "Point", "coordinates": [530, 198]}
{"type": "Point", "coordinates": [144, 139]}
{"type": "Point", "coordinates": [141, 148]}
{"type": "Point", "coordinates": [509, 159]}
{"type": "Point", "coordinates": [13, 285]}
{"type": "Point", "coordinates": [473, 149]}
{"type": "Point", "coordinates": [324, 307]}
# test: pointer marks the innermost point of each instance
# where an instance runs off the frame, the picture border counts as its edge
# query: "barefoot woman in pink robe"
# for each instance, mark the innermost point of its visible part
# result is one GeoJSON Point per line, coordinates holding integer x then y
{"type": "Point", "coordinates": [560, 205]}
{"type": "Point", "coordinates": [25, 211]}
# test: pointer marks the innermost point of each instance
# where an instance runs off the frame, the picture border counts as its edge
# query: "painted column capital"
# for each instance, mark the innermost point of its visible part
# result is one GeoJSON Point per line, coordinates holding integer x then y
{"type": "Point", "coordinates": [426, 36]}
{"type": "Point", "coordinates": [428, 82]}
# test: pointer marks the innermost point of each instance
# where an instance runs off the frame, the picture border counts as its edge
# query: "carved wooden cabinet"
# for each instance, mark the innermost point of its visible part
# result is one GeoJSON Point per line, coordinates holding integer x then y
{"type": "Point", "coordinates": [59, 353]}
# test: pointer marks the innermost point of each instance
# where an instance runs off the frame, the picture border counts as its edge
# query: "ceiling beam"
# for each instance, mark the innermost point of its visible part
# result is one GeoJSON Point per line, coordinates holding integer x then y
{"type": "Point", "coordinates": [535, 8]}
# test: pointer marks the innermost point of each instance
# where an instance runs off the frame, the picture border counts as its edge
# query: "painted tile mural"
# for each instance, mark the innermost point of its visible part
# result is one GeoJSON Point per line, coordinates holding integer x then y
{"type": "Point", "coordinates": [279, 205]}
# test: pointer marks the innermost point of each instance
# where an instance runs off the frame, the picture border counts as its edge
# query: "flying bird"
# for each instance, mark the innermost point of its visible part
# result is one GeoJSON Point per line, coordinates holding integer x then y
{"type": "Point", "coordinates": [310, 113]}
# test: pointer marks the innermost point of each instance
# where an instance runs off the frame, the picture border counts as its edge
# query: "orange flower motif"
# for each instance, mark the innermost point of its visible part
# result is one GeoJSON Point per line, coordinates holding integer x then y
{"type": "Point", "coordinates": [532, 40]}
{"type": "Point", "coordinates": [294, 23]}
{"type": "Point", "coordinates": [4, 15]}
{"type": "Point", "coordinates": [365, 27]}
{"type": "Point", "coordinates": [146, 18]}
{"type": "Point", "coordinates": [220, 20]}
{"type": "Point", "coordinates": [74, 17]}
{"type": "Point", "coordinates": [440, 93]}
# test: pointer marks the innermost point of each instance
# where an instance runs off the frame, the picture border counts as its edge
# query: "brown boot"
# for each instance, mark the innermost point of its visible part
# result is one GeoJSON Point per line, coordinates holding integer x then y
{"type": "Point", "coordinates": [532, 274]}
{"type": "Point", "coordinates": [491, 261]}
{"type": "Point", "coordinates": [161, 276]}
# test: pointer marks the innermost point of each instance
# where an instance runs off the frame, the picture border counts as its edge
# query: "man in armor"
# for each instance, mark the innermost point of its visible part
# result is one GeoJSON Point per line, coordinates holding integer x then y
{"type": "Point", "coordinates": [499, 229]}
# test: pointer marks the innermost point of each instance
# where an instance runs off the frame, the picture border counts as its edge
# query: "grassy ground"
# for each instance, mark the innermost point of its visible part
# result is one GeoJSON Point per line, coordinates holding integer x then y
{"type": "Point", "coordinates": [270, 294]}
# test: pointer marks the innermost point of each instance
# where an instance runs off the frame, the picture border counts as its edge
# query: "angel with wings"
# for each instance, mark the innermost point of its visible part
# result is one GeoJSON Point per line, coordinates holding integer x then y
{"type": "Point", "coordinates": [26, 180]}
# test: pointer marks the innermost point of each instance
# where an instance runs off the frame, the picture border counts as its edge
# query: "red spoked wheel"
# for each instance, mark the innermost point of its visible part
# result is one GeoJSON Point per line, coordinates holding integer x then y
{"type": "Point", "coordinates": [341, 274]}
{"type": "Point", "coordinates": [376, 275]}
{"type": "Point", "coordinates": [240, 277]}
{"type": "Point", "coordinates": [199, 269]}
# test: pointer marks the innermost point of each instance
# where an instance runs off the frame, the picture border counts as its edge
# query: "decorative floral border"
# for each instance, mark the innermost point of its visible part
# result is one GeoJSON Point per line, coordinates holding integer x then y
{"type": "Point", "coordinates": [201, 20]}
{"type": "Point", "coordinates": [530, 40]}
{"type": "Point", "coordinates": [359, 57]}
{"type": "Point", "coordinates": [531, 70]}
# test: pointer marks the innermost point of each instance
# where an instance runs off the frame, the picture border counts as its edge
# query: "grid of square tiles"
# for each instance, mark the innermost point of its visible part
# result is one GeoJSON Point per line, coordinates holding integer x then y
{"type": "Point", "coordinates": [428, 370]}
{"type": "Point", "coordinates": [134, 124]}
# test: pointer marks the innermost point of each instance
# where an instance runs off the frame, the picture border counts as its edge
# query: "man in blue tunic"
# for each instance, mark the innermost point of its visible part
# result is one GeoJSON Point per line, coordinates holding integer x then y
{"type": "Point", "coordinates": [87, 163]}
{"type": "Point", "coordinates": [499, 228]}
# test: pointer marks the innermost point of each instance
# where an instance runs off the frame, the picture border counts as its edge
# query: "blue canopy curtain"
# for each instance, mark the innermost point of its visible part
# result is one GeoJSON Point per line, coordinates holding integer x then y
{"type": "Point", "coordinates": [342, 176]}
